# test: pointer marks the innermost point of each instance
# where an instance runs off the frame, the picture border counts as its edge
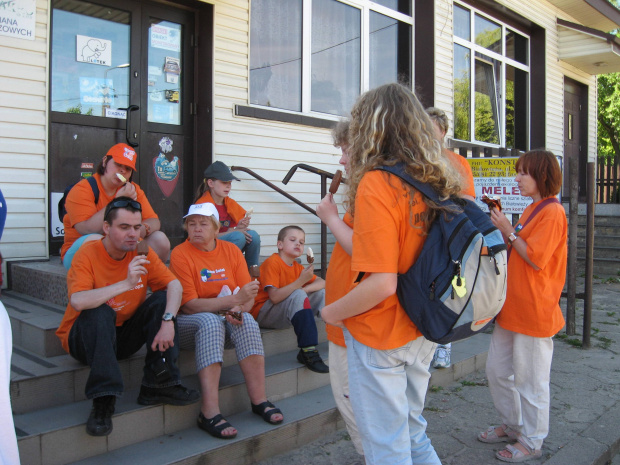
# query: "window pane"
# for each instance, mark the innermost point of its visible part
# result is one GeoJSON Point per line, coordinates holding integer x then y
{"type": "Point", "coordinates": [90, 58]}
{"type": "Point", "coordinates": [517, 98]}
{"type": "Point", "coordinates": [390, 51]}
{"type": "Point", "coordinates": [486, 109]}
{"type": "Point", "coordinates": [488, 34]}
{"type": "Point", "coordinates": [402, 6]}
{"type": "Point", "coordinates": [462, 23]}
{"type": "Point", "coordinates": [275, 54]}
{"type": "Point", "coordinates": [462, 100]}
{"type": "Point", "coordinates": [517, 47]}
{"type": "Point", "coordinates": [335, 56]}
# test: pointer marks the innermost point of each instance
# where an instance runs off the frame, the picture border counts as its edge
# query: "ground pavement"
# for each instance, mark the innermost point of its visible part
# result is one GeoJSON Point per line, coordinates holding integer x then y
{"type": "Point", "coordinates": [585, 403]}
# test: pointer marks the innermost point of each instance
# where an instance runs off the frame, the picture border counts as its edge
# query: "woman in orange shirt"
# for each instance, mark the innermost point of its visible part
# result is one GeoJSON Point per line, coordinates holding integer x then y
{"type": "Point", "coordinates": [217, 297]}
{"type": "Point", "coordinates": [519, 360]}
{"type": "Point", "coordinates": [388, 357]}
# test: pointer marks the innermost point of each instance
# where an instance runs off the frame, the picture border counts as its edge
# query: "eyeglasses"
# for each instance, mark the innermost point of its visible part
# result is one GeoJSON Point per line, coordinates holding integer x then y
{"type": "Point", "coordinates": [125, 203]}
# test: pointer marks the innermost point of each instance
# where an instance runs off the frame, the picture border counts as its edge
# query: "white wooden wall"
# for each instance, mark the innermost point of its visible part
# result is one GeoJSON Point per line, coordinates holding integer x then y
{"type": "Point", "coordinates": [23, 140]}
{"type": "Point", "coordinates": [269, 148]}
{"type": "Point", "coordinates": [544, 14]}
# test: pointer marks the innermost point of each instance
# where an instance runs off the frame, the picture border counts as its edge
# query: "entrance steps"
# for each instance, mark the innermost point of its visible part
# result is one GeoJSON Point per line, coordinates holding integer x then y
{"type": "Point", "coordinates": [606, 254]}
{"type": "Point", "coordinates": [50, 409]}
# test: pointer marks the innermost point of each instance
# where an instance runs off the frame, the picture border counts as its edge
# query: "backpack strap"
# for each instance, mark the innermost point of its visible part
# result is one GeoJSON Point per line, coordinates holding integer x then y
{"type": "Point", "coordinates": [399, 170]}
{"type": "Point", "coordinates": [94, 186]}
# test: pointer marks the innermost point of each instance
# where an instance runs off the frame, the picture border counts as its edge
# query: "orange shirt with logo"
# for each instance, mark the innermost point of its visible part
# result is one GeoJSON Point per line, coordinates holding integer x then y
{"type": "Point", "coordinates": [235, 210]}
{"type": "Point", "coordinates": [387, 238]}
{"type": "Point", "coordinates": [532, 298]}
{"type": "Point", "coordinates": [461, 164]}
{"type": "Point", "coordinates": [204, 274]}
{"type": "Point", "coordinates": [275, 272]}
{"type": "Point", "coordinates": [338, 281]}
{"type": "Point", "coordinates": [80, 205]}
{"type": "Point", "coordinates": [93, 268]}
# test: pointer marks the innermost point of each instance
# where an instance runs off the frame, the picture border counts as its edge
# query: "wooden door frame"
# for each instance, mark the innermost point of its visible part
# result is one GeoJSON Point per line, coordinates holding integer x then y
{"type": "Point", "coordinates": [583, 131]}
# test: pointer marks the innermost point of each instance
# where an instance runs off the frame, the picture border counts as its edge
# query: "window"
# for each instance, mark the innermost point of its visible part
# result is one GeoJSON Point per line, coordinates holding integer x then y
{"type": "Point", "coordinates": [317, 56]}
{"type": "Point", "coordinates": [491, 81]}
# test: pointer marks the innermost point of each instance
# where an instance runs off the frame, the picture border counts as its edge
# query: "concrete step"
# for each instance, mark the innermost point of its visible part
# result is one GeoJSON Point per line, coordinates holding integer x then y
{"type": "Point", "coordinates": [45, 433]}
{"type": "Point", "coordinates": [600, 252]}
{"type": "Point", "coordinates": [602, 266]}
{"type": "Point", "coordinates": [43, 280]}
{"type": "Point", "coordinates": [38, 382]}
{"type": "Point", "coordinates": [34, 323]}
{"type": "Point", "coordinates": [308, 416]}
{"type": "Point", "coordinates": [600, 240]}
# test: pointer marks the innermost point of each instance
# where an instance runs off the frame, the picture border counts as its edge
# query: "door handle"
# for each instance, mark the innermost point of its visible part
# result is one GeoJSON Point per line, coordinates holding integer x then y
{"type": "Point", "coordinates": [128, 134]}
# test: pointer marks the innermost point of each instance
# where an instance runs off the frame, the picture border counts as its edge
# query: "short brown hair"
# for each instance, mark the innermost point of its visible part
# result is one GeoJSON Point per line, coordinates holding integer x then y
{"type": "Point", "coordinates": [340, 133]}
{"type": "Point", "coordinates": [439, 117]}
{"type": "Point", "coordinates": [544, 167]}
{"type": "Point", "coordinates": [284, 231]}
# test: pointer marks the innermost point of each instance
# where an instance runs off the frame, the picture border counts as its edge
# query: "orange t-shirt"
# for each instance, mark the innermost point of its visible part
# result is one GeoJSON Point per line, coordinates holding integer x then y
{"type": "Point", "coordinates": [80, 205]}
{"type": "Point", "coordinates": [93, 268]}
{"type": "Point", "coordinates": [532, 298]}
{"type": "Point", "coordinates": [276, 273]}
{"type": "Point", "coordinates": [384, 241]}
{"type": "Point", "coordinates": [235, 210]}
{"type": "Point", "coordinates": [461, 164]}
{"type": "Point", "coordinates": [204, 274]}
{"type": "Point", "coordinates": [338, 281]}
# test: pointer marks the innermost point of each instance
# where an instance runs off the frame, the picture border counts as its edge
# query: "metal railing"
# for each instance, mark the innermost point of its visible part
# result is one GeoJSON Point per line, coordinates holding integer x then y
{"type": "Point", "coordinates": [324, 176]}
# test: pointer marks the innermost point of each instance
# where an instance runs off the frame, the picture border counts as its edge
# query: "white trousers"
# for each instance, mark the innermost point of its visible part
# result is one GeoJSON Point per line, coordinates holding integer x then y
{"type": "Point", "coordinates": [339, 378]}
{"type": "Point", "coordinates": [8, 442]}
{"type": "Point", "coordinates": [519, 371]}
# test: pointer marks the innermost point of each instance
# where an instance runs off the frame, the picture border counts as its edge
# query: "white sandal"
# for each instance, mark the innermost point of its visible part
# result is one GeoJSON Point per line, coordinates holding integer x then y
{"type": "Point", "coordinates": [517, 455]}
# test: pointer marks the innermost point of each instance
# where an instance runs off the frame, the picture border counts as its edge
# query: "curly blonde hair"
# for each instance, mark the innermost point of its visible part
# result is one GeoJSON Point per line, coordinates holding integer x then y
{"type": "Point", "coordinates": [389, 125]}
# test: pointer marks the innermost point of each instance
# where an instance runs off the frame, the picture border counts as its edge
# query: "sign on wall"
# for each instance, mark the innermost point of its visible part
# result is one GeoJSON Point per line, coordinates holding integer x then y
{"type": "Point", "coordinates": [18, 18]}
{"type": "Point", "coordinates": [93, 50]}
{"type": "Point", "coordinates": [495, 177]}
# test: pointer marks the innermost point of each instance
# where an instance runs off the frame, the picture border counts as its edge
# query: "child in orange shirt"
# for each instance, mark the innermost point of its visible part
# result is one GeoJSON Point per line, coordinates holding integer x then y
{"type": "Point", "coordinates": [290, 294]}
{"type": "Point", "coordinates": [235, 221]}
{"type": "Point", "coordinates": [388, 359]}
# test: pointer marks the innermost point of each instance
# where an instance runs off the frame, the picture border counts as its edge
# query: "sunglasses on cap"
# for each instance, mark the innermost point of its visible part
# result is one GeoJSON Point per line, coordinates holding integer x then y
{"type": "Point", "coordinates": [121, 203]}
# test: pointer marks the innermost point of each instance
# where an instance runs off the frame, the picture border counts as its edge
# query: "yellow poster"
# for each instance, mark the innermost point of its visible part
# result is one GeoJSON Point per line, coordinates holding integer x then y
{"type": "Point", "coordinates": [495, 177]}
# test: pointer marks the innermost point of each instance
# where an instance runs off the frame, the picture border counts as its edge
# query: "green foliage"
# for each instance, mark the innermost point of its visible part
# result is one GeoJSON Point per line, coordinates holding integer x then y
{"type": "Point", "coordinates": [608, 117]}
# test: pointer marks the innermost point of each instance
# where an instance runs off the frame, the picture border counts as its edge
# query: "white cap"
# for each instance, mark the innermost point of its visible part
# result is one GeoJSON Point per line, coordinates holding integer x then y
{"type": "Point", "coordinates": [203, 209]}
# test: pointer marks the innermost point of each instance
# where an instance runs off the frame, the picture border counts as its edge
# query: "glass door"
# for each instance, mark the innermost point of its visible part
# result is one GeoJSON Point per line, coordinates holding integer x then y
{"type": "Point", "coordinates": [122, 72]}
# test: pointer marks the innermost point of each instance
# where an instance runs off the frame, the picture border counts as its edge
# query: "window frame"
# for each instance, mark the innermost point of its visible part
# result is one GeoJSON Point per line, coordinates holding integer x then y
{"type": "Point", "coordinates": [365, 7]}
{"type": "Point", "coordinates": [503, 60]}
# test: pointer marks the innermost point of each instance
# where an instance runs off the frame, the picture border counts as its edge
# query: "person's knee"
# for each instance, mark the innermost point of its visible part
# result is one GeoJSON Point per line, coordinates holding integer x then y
{"type": "Point", "coordinates": [255, 237]}
{"type": "Point", "coordinates": [160, 244]}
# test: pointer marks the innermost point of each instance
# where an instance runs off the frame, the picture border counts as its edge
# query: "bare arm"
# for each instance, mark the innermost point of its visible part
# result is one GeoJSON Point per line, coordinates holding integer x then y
{"type": "Point", "coordinates": [278, 294]}
{"type": "Point", "coordinates": [327, 211]}
{"type": "Point", "coordinates": [93, 225]}
{"type": "Point", "coordinates": [244, 299]}
{"type": "Point", "coordinates": [164, 338]}
{"type": "Point", "coordinates": [93, 298]}
{"type": "Point", "coordinates": [154, 225]}
{"type": "Point", "coordinates": [367, 294]}
{"type": "Point", "coordinates": [316, 285]}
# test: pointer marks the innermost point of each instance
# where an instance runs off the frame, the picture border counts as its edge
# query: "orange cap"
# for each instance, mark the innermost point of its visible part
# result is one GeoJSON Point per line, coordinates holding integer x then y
{"type": "Point", "coordinates": [123, 154]}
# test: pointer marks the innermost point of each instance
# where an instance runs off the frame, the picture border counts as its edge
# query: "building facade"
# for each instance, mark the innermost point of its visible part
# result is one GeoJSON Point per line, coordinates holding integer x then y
{"type": "Point", "coordinates": [259, 83]}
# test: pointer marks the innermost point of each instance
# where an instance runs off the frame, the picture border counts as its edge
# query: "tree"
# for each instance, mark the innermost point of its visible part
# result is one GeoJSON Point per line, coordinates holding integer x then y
{"type": "Point", "coordinates": [608, 116]}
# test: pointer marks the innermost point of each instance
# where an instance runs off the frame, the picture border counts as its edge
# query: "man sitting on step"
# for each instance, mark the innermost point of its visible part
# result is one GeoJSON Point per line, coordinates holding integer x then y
{"type": "Point", "coordinates": [109, 316]}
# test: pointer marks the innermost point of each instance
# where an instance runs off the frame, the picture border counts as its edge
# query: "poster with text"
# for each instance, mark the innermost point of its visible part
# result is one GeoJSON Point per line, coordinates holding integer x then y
{"type": "Point", "coordinates": [18, 18]}
{"type": "Point", "coordinates": [495, 177]}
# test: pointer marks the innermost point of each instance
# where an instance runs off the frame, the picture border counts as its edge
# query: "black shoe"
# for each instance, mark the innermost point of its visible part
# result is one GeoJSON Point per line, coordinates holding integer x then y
{"type": "Point", "coordinates": [173, 395]}
{"type": "Point", "coordinates": [100, 420]}
{"type": "Point", "coordinates": [312, 360]}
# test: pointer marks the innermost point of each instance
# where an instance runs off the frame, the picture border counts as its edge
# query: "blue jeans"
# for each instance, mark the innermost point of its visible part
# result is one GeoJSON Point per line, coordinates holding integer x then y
{"type": "Point", "coordinates": [96, 341]}
{"type": "Point", "coordinates": [251, 249]}
{"type": "Point", "coordinates": [387, 390]}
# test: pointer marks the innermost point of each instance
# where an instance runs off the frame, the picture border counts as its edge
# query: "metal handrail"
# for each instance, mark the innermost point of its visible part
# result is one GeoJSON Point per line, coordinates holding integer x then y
{"type": "Point", "coordinates": [324, 175]}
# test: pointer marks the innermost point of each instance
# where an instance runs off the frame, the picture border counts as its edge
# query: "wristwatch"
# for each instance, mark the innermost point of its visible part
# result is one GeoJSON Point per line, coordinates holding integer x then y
{"type": "Point", "coordinates": [512, 237]}
{"type": "Point", "coordinates": [168, 317]}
